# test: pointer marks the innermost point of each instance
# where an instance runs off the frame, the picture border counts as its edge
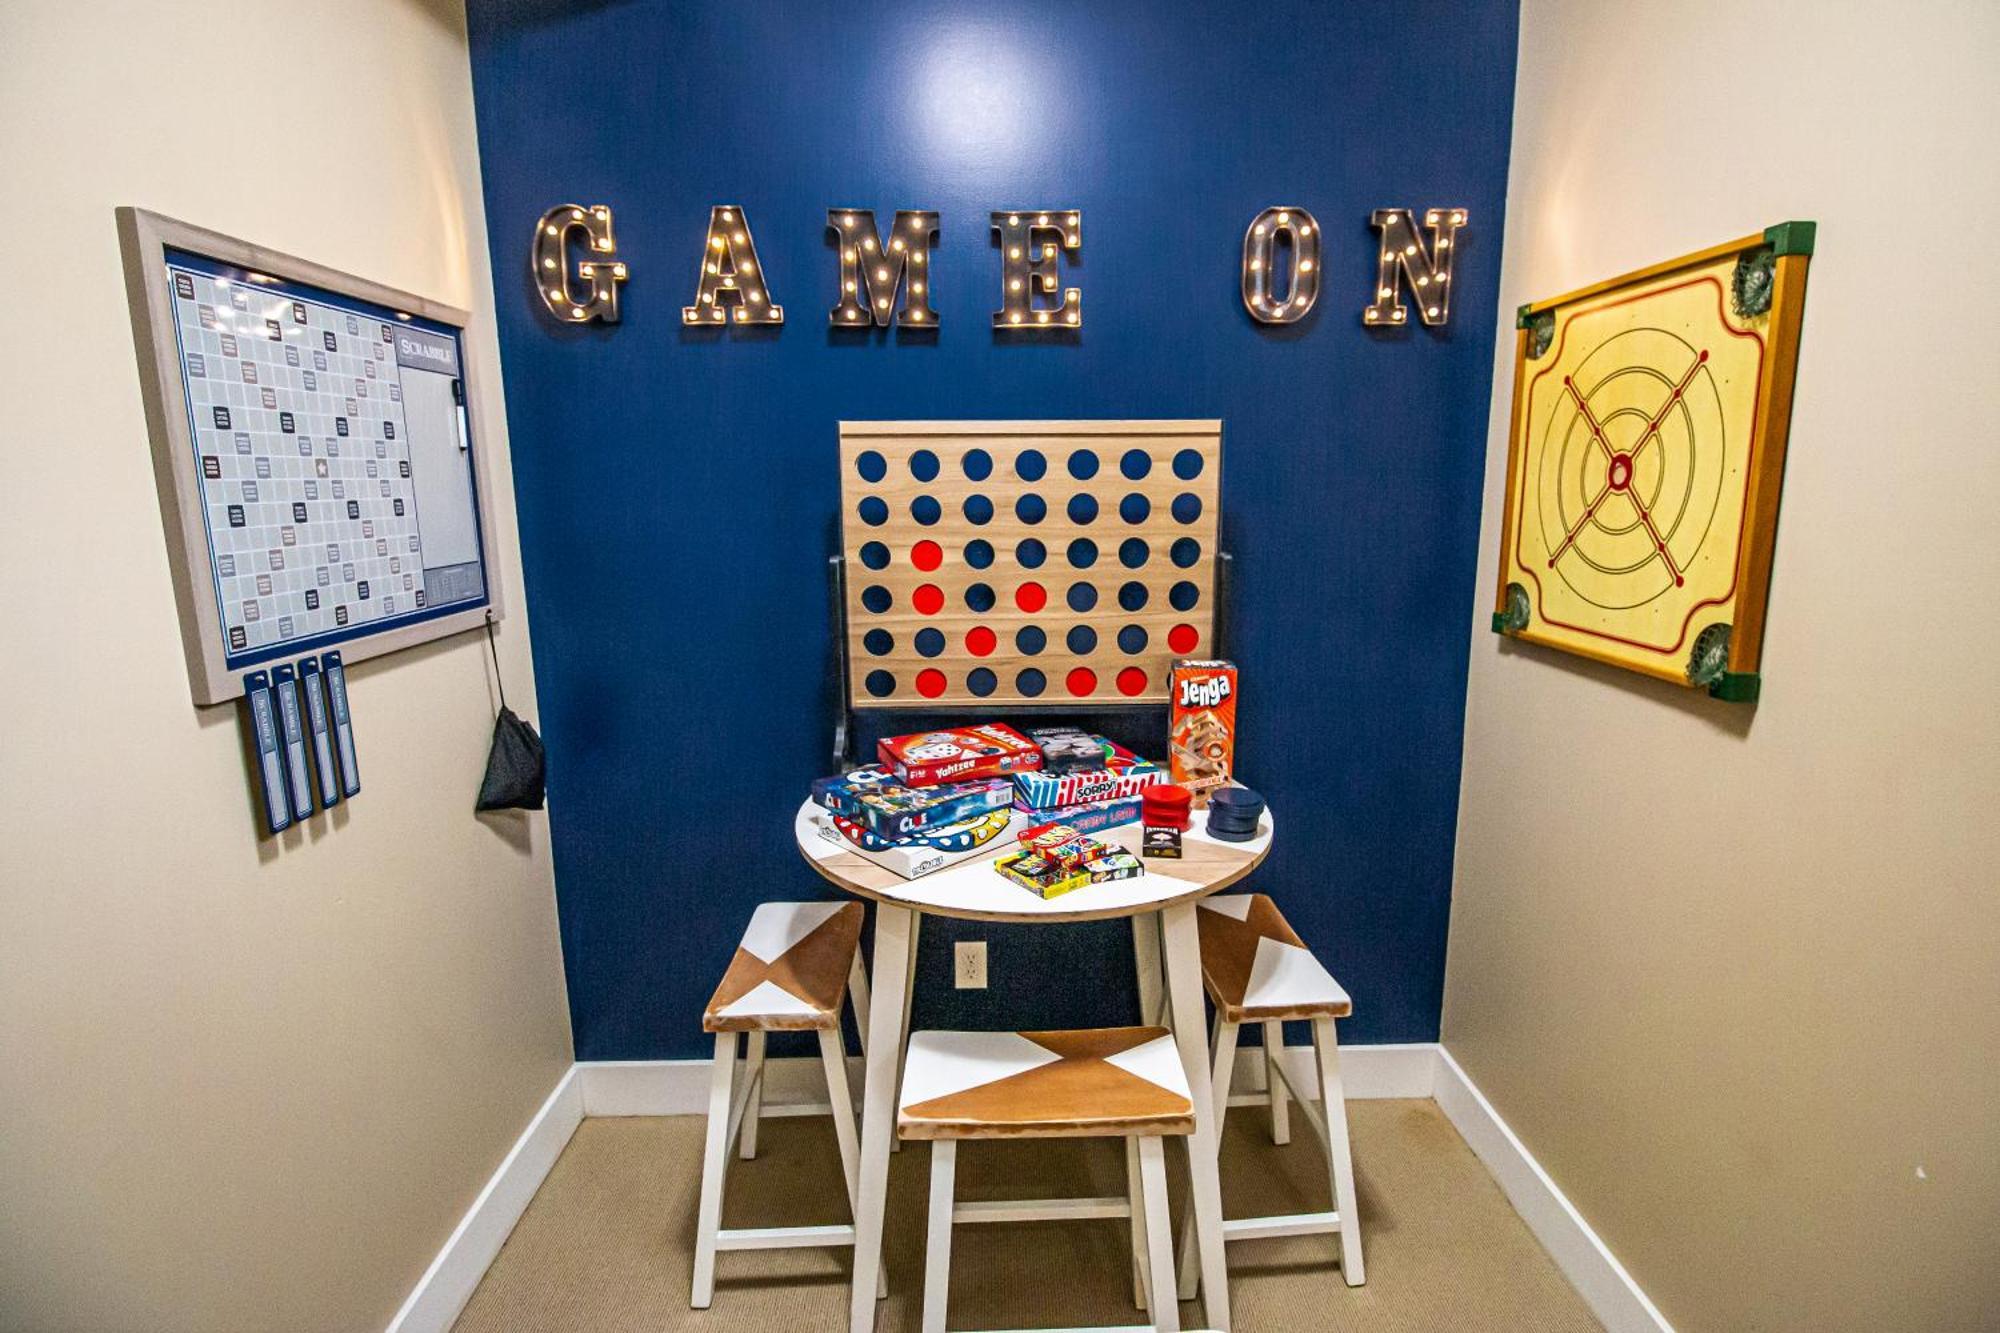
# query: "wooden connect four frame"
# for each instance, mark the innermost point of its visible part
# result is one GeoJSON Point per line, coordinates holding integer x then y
{"type": "Point", "coordinates": [1025, 563]}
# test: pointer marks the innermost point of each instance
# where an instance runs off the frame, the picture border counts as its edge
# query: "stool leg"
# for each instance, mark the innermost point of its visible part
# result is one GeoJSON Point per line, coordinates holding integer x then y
{"type": "Point", "coordinates": [1159, 1235]}
{"type": "Point", "coordinates": [937, 1243]}
{"type": "Point", "coordinates": [1223, 1042]}
{"type": "Point", "coordinates": [909, 998]}
{"type": "Point", "coordinates": [753, 1069]}
{"type": "Point", "coordinates": [1135, 1201]}
{"type": "Point", "coordinates": [1225, 1066]}
{"type": "Point", "coordinates": [1340, 1160]}
{"type": "Point", "coordinates": [1274, 1083]}
{"type": "Point", "coordinates": [833, 1055]}
{"type": "Point", "coordinates": [714, 1167]}
{"type": "Point", "coordinates": [857, 995]}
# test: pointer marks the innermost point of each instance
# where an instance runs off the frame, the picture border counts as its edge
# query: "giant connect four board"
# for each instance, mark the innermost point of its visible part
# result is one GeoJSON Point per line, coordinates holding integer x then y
{"type": "Point", "coordinates": [1034, 562]}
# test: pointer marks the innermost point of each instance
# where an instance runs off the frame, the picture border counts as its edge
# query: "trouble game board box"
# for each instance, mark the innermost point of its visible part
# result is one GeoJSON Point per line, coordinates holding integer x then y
{"type": "Point", "coordinates": [1067, 749]}
{"type": "Point", "coordinates": [872, 797]}
{"type": "Point", "coordinates": [928, 852]}
{"type": "Point", "coordinates": [1201, 733]}
{"type": "Point", "coordinates": [1119, 774]}
{"type": "Point", "coordinates": [958, 754]}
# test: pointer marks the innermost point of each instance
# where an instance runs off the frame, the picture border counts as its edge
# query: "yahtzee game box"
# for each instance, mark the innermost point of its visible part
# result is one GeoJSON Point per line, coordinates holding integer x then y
{"type": "Point", "coordinates": [958, 754]}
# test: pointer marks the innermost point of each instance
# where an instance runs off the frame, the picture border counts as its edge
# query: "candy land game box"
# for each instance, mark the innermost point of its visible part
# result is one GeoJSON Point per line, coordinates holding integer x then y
{"type": "Point", "coordinates": [1055, 859]}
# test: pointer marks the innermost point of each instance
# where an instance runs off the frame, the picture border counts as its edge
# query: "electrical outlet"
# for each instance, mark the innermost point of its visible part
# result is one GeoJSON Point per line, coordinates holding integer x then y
{"type": "Point", "coordinates": [969, 964]}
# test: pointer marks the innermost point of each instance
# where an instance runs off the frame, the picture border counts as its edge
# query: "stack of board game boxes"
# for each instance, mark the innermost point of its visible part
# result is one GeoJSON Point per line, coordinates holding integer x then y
{"type": "Point", "coordinates": [936, 798]}
{"type": "Point", "coordinates": [1055, 858]}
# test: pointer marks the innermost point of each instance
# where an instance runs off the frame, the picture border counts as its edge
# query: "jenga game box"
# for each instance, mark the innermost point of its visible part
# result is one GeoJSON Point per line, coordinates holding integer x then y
{"type": "Point", "coordinates": [1201, 735]}
{"type": "Point", "coordinates": [959, 754]}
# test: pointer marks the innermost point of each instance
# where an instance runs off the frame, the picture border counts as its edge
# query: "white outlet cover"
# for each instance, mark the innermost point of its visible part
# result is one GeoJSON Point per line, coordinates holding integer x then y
{"type": "Point", "coordinates": [968, 960]}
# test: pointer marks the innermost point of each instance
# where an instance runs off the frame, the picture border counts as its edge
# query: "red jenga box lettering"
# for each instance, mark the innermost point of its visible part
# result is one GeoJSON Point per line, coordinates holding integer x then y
{"type": "Point", "coordinates": [1201, 737]}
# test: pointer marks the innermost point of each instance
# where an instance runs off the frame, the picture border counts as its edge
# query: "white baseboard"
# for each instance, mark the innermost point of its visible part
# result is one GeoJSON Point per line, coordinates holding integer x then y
{"type": "Point", "coordinates": [440, 1295]}
{"type": "Point", "coordinates": [1592, 1269]}
{"type": "Point", "coordinates": [680, 1087]}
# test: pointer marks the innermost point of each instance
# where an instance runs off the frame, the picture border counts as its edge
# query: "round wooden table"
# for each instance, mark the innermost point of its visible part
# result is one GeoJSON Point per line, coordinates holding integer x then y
{"type": "Point", "coordinates": [1161, 906]}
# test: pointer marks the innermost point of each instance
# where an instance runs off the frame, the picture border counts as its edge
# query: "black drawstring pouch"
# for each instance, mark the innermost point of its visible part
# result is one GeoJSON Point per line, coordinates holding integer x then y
{"type": "Point", "coordinates": [516, 769]}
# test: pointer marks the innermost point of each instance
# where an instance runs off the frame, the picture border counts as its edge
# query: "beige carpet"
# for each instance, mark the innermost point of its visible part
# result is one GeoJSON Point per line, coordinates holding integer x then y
{"type": "Point", "coordinates": [607, 1244]}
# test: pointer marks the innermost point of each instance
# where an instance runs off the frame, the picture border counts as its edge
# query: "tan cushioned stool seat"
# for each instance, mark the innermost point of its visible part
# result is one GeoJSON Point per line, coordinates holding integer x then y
{"type": "Point", "coordinates": [1090, 1082]}
{"type": "Point", "coordinates": [790, 972]}
{"type": "Point", "coordinates": [1255, 967]}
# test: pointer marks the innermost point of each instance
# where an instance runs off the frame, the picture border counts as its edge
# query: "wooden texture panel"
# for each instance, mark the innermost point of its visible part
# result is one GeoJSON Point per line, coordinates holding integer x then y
{"type": "Point", "coordinates": [809, 977]}
{"type": "Point", "coordinates": [1056, 1084]}
{"type": "Point", "coordinates": [896, 609]}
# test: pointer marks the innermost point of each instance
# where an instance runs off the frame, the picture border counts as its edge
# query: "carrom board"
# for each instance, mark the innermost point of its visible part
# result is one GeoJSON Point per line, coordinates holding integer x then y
{"type": "Point", "coordinates": [1645, 460]}
{"type": "Point", "coordinates": [312, 443]}
{"type": "Point", "coordinates": [1026, 562]}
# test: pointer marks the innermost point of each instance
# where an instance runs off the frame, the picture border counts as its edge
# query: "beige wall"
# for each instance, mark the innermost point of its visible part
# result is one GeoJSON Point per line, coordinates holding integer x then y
{"type": "Point", "coordinates": [243, 1084]}
{"type": "Point", "coordinates": [1734, 975]}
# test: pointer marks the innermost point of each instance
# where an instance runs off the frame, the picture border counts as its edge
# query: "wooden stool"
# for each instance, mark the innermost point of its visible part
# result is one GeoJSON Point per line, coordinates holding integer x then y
{"type": "Point", "coordinates": [1094, 1083]}
{"type": "Point", "coordinates": [1257, 970]}
{"type": "Point", "coordinates": [789, 974]}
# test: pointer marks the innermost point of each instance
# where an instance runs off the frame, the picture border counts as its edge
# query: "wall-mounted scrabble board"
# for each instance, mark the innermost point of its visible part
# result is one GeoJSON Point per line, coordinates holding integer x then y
{"type": "Point", "coordinates": [312, 442]}
{"type": "Point", "coordinates": [1026, 561]}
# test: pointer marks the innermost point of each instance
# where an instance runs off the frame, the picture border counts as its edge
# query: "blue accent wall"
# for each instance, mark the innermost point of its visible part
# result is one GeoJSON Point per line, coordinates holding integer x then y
{"type": "Point", "coordinates": [678, 490]}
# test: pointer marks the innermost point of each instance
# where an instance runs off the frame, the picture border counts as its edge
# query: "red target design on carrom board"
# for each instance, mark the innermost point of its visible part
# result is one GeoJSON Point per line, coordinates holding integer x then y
{"type": "Point", "coordinates": [1632, 464]}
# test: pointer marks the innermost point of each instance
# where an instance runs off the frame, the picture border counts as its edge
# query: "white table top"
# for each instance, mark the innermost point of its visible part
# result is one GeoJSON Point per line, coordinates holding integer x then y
{"type": "Point", "coordinates": [973, 889]}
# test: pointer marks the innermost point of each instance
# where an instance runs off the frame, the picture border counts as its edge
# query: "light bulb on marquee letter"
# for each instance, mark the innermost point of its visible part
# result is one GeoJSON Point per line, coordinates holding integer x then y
{"type": "Point", "coordinates": [730, 268]}
{"type": "Point", "coordinates": [1031, 244]}
{"type": "Point", "coordinates": [1402, 255]}
{"type": "Point", "coordinates": [871, 269]}
{"type": "Point", "coordinates": [549, 260]}
{"type": "Point", "coordinates": [1260, 250]}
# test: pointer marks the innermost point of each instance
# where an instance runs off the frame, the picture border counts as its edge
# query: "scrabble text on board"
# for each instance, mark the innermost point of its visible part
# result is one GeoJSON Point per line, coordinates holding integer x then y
{"type": "Point", "coordinates": [886, 279]}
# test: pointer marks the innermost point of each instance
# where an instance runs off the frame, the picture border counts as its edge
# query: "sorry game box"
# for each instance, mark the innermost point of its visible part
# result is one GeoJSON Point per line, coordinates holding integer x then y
{"type": "Point", "coordinates": [1116, 773]}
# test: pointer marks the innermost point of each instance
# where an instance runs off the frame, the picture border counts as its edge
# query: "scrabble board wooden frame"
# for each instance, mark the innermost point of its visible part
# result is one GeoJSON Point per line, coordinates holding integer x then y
{"type": "Point", "coordinates": [145, 240]}
{"type": "Point", "coordinates": [941, 607]}
{"type": "Point", "coordinates": [1646, 456]}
